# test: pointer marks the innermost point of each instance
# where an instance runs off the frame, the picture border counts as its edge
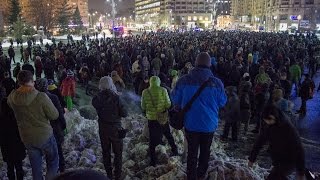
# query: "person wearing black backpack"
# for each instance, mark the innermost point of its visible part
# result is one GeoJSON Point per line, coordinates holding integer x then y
{"type": "Point", "coordinates": [306, 93]}
{"type": "Point", "coordinates": [201, 120]}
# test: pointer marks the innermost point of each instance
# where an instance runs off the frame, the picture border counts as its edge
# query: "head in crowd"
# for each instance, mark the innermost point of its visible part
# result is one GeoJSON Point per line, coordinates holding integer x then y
{"type": "Point", "coordinates": [277, 94]}
{"type": "Point", "coordinates": [25, 78]}
{"type": "Point", "coordinates": [203, 59]}
{"type": "Point", "coordinates": [155, 81]}
{"type": "Point", "coordinates": [261, 70]}
{"type": "Point", "coordinates": [271, 115]}
{"type": "Point", "coordinates": [246, 76]}
{"type": "Point", "coordinates": [82, 174]}
{"type": "Point", "coordinates": [42, 84]}
{"type": "Point", "coordinates": [70, 73]}
{"type": "Point", "coordinates": [106, 83]}
{"type": "Point", "coordinates": [51, 85]}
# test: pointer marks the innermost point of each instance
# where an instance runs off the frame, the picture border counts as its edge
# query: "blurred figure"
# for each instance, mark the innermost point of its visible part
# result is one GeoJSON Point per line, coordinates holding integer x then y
{"type": "Point", "coordinates": [68, 89]}
{"type": "Point", "coordinates": [231, 114]}
{"type": "Point", "coordinates": [33, 111]}
{"type": "Point", "coordinates": [12, 148]}
{"type": "Point", "coordinates": [285, 147]}
{"type": "Point", "coordinates": [306, 93]}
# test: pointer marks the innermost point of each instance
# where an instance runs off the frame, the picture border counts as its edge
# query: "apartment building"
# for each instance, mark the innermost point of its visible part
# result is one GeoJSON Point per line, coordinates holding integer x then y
{"type": "Point", "coordinates": [278, 15]}
{"type": "Point", "coordinates": [175, 12]}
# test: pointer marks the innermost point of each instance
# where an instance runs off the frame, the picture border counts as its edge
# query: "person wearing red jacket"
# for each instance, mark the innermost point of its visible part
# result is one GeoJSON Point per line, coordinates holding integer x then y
{"type": "Point", "coordinates": [68, 89]}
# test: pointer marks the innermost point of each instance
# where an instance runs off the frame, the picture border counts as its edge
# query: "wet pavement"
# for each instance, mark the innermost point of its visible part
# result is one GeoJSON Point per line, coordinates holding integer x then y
{"type": "Point", "coordinates": [309, 128]}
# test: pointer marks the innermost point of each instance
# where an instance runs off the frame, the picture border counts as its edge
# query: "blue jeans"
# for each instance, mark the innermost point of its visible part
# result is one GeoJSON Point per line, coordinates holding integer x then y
{"type": "Point", "coordinates": [50, 150]}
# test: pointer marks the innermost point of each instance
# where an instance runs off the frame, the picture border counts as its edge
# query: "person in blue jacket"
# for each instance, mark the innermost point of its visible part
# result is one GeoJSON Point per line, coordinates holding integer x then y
{"type": "Point", "coordinates": [202, 119]}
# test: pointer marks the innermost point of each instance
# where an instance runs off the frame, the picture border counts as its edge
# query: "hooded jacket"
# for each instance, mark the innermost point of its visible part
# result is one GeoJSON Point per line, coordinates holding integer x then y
{"type": "Point", "coordinates": [33, 111]}
{"type": "Point", "coordinates": [109, 108]}
{"type": "Point", "coordinates": [68, 87]}
{"type": "Point", "coordinates": [285, 146]}
{"type": "Point", "coordinates": [203, 115]}
{"type": "Point", "coordinates": [160, 97]}
{"type": "Point", "coordinates": [295, 72]}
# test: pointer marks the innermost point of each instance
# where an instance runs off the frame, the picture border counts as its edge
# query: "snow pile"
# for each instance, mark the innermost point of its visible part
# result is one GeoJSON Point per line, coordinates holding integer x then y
{"type": "Point", "coordinates": [82, 149]}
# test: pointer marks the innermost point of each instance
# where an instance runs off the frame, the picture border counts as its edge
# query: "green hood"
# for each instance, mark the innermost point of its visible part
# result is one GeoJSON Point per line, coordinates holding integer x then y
{"type": "Point", "coordinates": [155, 81]}
{"type": "Point", "coordinates": [23, 98]}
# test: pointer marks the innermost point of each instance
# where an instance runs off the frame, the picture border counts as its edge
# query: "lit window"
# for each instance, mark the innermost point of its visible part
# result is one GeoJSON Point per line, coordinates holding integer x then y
{"type": "Point", "coordinates": [195, 18]}
{"type": "Point", "coordinates": [189, 18]}
{"type": "Point", "coordinates": [200, 18]}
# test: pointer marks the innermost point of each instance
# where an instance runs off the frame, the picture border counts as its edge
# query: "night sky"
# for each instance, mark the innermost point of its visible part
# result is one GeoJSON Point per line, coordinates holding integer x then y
{"type": "Point", "coordinates": [101, 5]}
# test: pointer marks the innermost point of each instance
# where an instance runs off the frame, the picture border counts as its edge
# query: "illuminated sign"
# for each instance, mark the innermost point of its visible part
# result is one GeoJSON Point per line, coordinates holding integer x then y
{"type": "Point", "coordinates": [294, 17]}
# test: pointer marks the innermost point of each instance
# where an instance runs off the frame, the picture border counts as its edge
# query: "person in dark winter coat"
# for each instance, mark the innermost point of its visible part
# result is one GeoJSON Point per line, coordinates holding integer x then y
{"type": "Point", "coordinates": [306, 93]}
{"type": "Point", "coordinates": [245, 101]}
{"type": "Point", "coordinates": [143, 85]}
{"type": "Point", "coordinates": [16, 70]}
{"type": "Point", "coordinates": [8, 83]}
{"type": "Point", "coordinates": [110, 111]}
{"type": "Point", "coordinates": [231, 113]}
{"type": "Point", "coordinates": [285, 85]}
{"type": "Point", "coordinates": [285, 147]}
{"type": "Point", "coordinates": [28, 67]}
{"type": "Point", "coordinates": [261, 100]}
{"type": "Point", "coordinates": [48, 68]}
{"type": "Point", "coordinates": [53, 89]}
{"type": "Point", "coordinates": [12, 148]}
{"type": "Point", "coordinates": [58, 125]}
{"type": "Point", "coordinates": [39, 66]}
{"type": "Point", "coordinates": [11, 54]}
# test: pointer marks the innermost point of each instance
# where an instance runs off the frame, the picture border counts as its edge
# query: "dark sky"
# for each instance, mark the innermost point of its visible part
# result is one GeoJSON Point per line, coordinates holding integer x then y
{"type": "Point", "coordinates": [101, 5]}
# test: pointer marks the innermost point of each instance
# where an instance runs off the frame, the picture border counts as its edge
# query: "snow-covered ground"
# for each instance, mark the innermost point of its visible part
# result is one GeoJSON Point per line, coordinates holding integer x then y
{"type": "Point", "coordinates": [82, 150]}
{"type": "Point", "coordinates": [7, 44]}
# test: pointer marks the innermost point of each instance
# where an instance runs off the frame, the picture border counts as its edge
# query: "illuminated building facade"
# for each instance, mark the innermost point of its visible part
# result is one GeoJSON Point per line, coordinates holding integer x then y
{"type": "Point", "coordinates": [175, 12]}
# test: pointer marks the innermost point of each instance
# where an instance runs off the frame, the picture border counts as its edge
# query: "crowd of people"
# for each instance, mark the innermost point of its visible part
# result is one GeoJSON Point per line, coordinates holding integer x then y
{"type": "Point", "coordinates": [243, 74]}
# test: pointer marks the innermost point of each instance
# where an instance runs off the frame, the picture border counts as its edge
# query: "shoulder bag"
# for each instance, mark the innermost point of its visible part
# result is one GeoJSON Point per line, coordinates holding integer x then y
{"type": "Point", "coordinates": [177, 117]}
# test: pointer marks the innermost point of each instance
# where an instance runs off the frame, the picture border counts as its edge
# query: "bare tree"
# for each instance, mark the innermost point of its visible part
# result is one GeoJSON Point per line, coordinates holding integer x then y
{"type": "Point", "coordinates": [43, 13]}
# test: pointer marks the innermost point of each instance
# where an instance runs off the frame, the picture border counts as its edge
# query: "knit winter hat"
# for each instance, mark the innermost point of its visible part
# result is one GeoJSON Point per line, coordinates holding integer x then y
{"type": "Point", "coordinates": [51, 85]}
{"type": "Point", "coordinates": [42, 84]}
{"type": "Point", "coordinates": [70, 73]}
{"type": "Point", "coordinates": [203, 59]}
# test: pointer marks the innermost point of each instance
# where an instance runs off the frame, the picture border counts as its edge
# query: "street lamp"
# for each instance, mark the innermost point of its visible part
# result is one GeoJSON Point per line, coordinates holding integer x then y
{"type": "Point", "coordinates": [170, 17]}
{"type": "Point", "coordinates": [299, 19]}
{"type": "Point", "coordinates": [90, 20]}
{"type": "Point", "coordinates": [274, 22]}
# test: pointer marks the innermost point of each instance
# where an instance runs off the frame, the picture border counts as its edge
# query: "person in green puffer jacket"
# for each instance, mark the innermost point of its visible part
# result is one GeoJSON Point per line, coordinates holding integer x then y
{"type": "Point", "coordinates": [155, 100]}
{"type": "Point", "coordinates": [295, 75]}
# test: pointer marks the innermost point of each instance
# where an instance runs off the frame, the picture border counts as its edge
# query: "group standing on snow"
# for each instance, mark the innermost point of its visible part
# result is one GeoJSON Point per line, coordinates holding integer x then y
{"type": "Point", "coordinates": [243, 74]}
